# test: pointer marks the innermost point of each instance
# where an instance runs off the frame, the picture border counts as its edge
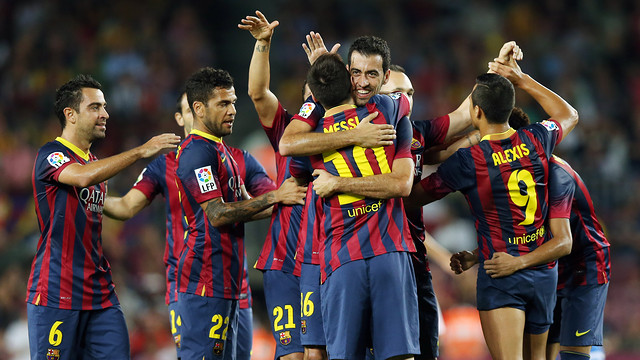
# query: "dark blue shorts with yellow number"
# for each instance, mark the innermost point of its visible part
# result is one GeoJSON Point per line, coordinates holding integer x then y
{"type": "Point", "coordinates": [209, 327]}
{"type": "Point", "coordinates": [282, 296]}
{"type": "Point", "coordinates": [311, 327]}
{"type": "Point", "coordinates": [68, 334]}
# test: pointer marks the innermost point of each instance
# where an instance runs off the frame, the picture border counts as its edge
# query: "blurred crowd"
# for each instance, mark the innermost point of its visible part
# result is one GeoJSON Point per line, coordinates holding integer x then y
{"type": "Point", "coordinates": [587, 51]}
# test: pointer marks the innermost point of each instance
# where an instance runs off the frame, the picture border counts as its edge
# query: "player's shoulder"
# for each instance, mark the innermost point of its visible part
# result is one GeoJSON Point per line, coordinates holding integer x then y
{"type": "Point", "coordinates": [54, 153]}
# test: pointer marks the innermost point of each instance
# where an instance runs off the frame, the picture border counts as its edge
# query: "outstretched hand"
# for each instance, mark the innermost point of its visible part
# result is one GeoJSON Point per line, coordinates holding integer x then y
{"type": "Point", "coordinates": [259, 27]}
{"type": "Point", "coordinates": [159, 143]}
{"type": "Point", "coordinates": [510, 50]}
{"type": "Point", "coordinates": [315, 47]}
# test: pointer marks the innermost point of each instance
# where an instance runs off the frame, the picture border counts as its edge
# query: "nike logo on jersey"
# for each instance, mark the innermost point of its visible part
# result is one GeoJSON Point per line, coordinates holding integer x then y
{"type": "Point", "coordinates": [578, 334]}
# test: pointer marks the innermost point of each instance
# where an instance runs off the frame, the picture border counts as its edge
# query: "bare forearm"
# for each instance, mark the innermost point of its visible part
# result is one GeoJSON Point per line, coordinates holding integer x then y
{"type": "Point", "coordinates": [259, 70]}
{"type": "Point", "coordinates": [124, 208]}
{"type": "Point", "coordinates": [384, 186]}
{"type": "Point", "coordinates": [311, 143]}
{"type": "Point", "coordinates": [96, 172]}
{"type": "Point", "coordinates": [220, 213]}
{"type": "Point", "coordinates": [557, 247]}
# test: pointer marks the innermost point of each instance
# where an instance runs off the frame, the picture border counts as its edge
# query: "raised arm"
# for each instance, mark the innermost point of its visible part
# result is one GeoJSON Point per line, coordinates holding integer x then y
{"type": "Point", "coordinates": [125, 207]}
{"type": "Point", "coordinates": [220, 213]}
{"type": "Point", "coordinates": [98, 171]}
{"type": "Point", "coordinates": [555, 106]}
{"type": "Point", "coordinates": [265, 102]}
{"type": "Point", "coordinates": [299, 139]}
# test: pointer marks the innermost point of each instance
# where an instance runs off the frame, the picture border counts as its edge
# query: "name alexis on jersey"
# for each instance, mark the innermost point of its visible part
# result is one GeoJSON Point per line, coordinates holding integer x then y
{"type": "Point", "coordinates": [509, 155]}
{"type": "Point", "coordinates": [92, 199]}
{"type": "Point", "coordinates": [342, 125]}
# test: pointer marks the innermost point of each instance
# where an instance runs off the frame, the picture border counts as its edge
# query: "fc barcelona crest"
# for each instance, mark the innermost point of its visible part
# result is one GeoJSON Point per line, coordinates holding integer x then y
{"type": "Point", "coordinates": [303, 328]}
{"type": "Point", "coordinates": [53, 354]}
{"type": "Point", "coordinates": [218, 348]}
{"type": "Point", "coordinates": [285, 337]}
{"type": "Point", "coordinates": [176, 339]}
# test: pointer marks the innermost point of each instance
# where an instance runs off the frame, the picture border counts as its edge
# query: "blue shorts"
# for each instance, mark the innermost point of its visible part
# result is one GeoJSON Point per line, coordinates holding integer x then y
{"type": "Point", "coordinates": [176, 323]}
{"type": "Point", "coordinates": [209, 327]}
{"type": "Point", "coordinates": [532, 291]}
{"type": "Point", "coordinates": [428, 310]}
{"type": "Point", "coordinates": [282, 295]}
{"type": "Point", "coordinates": [311, 328]}
{"type": "Point", "coordinates": [578, 317]}
{"type": "Point", "coordinates": [244, 339]}
{"type": "Point", "coordinates": [69, 334]}
{"type": "Point", "coordinates": [371, 302]}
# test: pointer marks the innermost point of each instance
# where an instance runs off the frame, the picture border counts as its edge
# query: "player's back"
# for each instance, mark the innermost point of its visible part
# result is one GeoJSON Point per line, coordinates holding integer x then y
{"type": "Point", "coordinates": [356, 227]}
{"type": "Point", "coordinates": [505, 184]}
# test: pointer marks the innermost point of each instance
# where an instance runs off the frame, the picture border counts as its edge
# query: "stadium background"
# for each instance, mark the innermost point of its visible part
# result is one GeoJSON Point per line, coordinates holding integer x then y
{"type": "Point", "coordinates": [587, 51]}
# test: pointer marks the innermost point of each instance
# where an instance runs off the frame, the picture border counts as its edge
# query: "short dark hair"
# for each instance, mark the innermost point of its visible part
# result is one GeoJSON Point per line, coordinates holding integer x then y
{"type": "Point", "coordinates": [329, 80]}
{"type": "Point", "coordinates": [70, 95]}
{"type": "Point", "coordinates": [518, 118]}
{"type": "Point", "coordinates": [179, 102]}
{"type": "Point", "coordinates": [398, 68]}
{"type": "Point", "coordinates": [495, 95]}
{"type": "Point", "coordinates": [372, 45]}
{"type": "Point", "coordinates": [201, 84]}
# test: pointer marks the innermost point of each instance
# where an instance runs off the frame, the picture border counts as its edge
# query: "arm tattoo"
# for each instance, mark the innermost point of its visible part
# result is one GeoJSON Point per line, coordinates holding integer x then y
{"type": "Point", "coordinates": [262, 48]}
{"type": "Point", "coordinates": [239, 211]}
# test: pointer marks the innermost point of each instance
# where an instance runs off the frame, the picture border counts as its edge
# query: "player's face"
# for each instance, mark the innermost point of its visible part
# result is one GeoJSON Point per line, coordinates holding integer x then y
{"type": "Point", "coordinates": [185, 116]}
{"type": "Point", "coordinates": [220, 112]}
{"type": "Point", "coordinates": [91, 120]}
{"type": "Point", "coordinates": [367, 76]}
{"type": "Point", "coordinates": [399, 81]}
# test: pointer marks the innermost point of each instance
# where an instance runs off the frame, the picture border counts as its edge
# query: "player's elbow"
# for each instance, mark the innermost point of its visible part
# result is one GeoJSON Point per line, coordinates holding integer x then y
{"type": "Point", "coordinates": [570, 119]}
{"type": "Point", "coordinates": [564, 247]}
{"type": "Point", "coordinates": [286, 147]}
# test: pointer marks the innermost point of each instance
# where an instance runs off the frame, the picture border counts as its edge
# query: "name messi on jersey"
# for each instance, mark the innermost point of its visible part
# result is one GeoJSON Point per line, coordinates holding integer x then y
{"type": "Point", "coordinates": [342, 125]}
{"type": "Point", "coordinates": [509, 155]}
{"type": "Point", "coordinates": [92, 199]}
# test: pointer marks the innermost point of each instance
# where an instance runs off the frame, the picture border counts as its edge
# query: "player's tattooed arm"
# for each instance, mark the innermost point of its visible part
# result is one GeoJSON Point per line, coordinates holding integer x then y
{"type": "Point", "coordinates": [221, 213]}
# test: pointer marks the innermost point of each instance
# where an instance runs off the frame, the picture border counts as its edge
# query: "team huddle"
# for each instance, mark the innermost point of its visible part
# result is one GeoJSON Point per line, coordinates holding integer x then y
{"type": "Point", "coordinates": [344, 264]}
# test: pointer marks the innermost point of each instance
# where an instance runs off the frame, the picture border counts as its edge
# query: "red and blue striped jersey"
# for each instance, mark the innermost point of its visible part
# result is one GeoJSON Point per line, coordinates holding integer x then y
{"type": "Point", "coordinates": [356, 227]}
{"type": "Point", "coordinates": [159, 177]}
{"type": "Point", "coordinates": [279, 249]}
{"type": "Point", "coordinates": [426, 134]}
{"type": "Point", "coordinates": [505, 184]}
{"type": "Point", "coordinates": [69, 270]}
{"type": "Point", "coordinates": [212, 260]}
{"type": "Point", "coordinates": [589, 260]}
{"type": "Point", "coordinates": [257, 183]}
{"type": "Point", "coordinates": [309, 242]}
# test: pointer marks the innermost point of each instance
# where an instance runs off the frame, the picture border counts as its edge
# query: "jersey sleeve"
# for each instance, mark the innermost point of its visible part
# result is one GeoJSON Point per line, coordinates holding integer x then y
{"type": "Point", "coordinates": [257, 181]}
{"type": "Point", "coordinates": [149, 181]}
{"type": "Point", "coordinates": [51, 161]}
{"type": "Point", "coordinates": [404, 135]}
{"type": "Point", "coordinates": [198, 172]}
{"type": "Point", "coordinates": [280, 122]}
{"type": "Point", "coordinates": [561, 191]}
{"type": "Point", "coordinates": [310, 113]}
{"type": "Point", "coordinates": [548, 132]}
{"type": "Point", "coordinates": [434, 131]}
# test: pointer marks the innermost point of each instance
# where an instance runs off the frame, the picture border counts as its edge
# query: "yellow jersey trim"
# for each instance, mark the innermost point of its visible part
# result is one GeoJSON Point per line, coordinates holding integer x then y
{"type": "Point", "coordinates": [206, 135]}
{"type": "Point", "coordinates": [509, 132]}
{"type": "Point", "coordinates": [73, 148]}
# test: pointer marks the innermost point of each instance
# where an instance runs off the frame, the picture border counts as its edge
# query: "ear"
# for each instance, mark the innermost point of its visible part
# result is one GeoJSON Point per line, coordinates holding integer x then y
{"type": "Point", "coordinates": [477, 112]}
{"type": "Point", "coordinates": [386, 76]}
{"type": "Point", "coordinates": [179, 119]}
{"type": "Point", "coordinates": [198, 109]}
{"type": "Point", "coordinates": [70, 115]}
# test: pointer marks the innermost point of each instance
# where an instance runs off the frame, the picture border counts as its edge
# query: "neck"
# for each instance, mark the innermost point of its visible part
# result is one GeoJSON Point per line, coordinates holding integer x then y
{"type": "Point", "coordinates": [340, 108]}
{"type": "Point", "coordinates": [495, 131]}
{"type": "Point", "coordinates": [72, 137]}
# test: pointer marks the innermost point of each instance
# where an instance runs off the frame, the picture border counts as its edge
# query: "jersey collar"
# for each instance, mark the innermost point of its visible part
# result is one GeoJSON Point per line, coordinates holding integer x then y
{"type": "Point", "coordinates": [73, 148]}
{"type": "Point", "coordinates": [503, 135]}
{"type": "Point", "coordinates": [206, 135]}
